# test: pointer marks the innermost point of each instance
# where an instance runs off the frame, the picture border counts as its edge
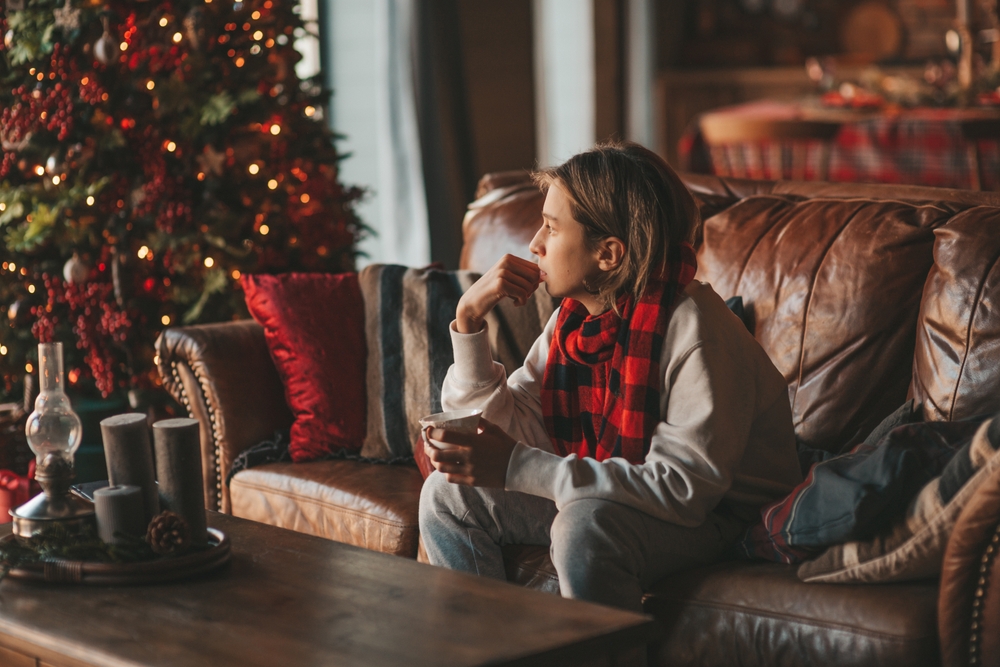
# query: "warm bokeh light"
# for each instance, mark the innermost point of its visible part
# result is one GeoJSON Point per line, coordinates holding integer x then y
{"type": "Point", "coordinates": [304, 198]}
{"type": "Point", "coordinates": [40, 170]}
{"type": "Point", "coordinates": [31, 289]}
{"type": "Point", "coordinates": [310, 111]}
{"type": "Point", "coordinates": [150, 84]}
{"type": "Point", "coordinates": [28, 367]}
{"type": "Point", "coordinates": [253, 168]}
{"type": "Point", "coordinates": [258, 35]}
{"type": "Point", "coordinates": [90, 200]}
{"type": "Point", "coordinates": [178, 37]}
{"type": "Point", "coordinates": [236, 274]}
{"type": "Point", "coordinates": [264, 229]}
{"type": "Point", "coordinates": [123, 46]}
{"type": "Point", "coordinates": [165, 319]}
{"type": "Point", "coordinates": [255, 15]}
{"type": "Point", "coordinates": [143, 251]}
{"type": "Point", "coordinates": [240, 61]}
{"type": "Point", "coordinates": [3, 349]}
{"type": "Point", "coordinates": [56, 180]}
{"type": "Point", "coordinates": [275, 129]}
{"type": "Point", "coordinates": [171, 146]}
{"type": "Point", "coordinates": [209, 262]}
{"type": "Point", "coordinates": [272, 184]}
{"type": "Point", "coordinates": [163, 22]}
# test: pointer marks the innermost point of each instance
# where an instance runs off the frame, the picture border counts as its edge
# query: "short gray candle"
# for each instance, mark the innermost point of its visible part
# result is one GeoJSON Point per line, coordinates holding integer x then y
{"type": "Point", "coordinates": [178, 465]}
{"type": "Point", "coordinates": [130, 457]}
{"type": "Point", "coordinates": [119, 513]}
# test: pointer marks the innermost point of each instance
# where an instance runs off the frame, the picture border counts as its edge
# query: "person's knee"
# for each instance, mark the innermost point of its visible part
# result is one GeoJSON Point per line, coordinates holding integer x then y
{"type": "Point", "coordinates": [584, 530]}
{"type": "Point", "coordinates": [437, 495]}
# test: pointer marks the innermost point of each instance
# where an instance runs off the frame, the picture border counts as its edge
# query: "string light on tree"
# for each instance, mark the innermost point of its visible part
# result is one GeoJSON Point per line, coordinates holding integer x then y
{"type": "Point", "coordinates": [113, 194]}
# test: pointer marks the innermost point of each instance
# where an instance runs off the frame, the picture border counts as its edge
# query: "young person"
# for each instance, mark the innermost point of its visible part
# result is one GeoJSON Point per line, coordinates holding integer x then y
{"type": "Point", "coordinates": [646, 426]}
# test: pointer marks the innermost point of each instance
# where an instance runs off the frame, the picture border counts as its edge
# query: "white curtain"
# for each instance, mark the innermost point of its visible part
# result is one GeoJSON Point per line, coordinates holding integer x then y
{"type": "Point", "coordinates": [373, 105]}
{"type": "Point", "coordinates": [640, 54]}
{"type": "Point", "coordinates": [564, 78]}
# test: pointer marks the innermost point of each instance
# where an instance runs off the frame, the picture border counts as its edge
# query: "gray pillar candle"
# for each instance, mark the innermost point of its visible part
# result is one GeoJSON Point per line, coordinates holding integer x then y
{"type": "Point", "coordinates": [130, 457]}
{"type": "Point", "coordinates": [178, 466]}
{"type": "Point", "coordinates": [119, 513]}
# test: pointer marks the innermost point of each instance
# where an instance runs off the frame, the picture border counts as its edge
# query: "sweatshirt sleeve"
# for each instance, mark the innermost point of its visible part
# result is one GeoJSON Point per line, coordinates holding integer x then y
{"type": "Point", "coordinates": [475, 380]}
{"type": "Point", "coordinates": [709, 397]}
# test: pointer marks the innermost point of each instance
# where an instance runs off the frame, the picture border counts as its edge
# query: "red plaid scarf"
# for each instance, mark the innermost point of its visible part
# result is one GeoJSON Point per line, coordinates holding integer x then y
{"type": "Point", "coordinates": [601, 388]}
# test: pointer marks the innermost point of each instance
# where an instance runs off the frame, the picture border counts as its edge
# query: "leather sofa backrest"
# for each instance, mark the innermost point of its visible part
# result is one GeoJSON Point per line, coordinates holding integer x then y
{"type": "Point", "coordinates": [862, 294]}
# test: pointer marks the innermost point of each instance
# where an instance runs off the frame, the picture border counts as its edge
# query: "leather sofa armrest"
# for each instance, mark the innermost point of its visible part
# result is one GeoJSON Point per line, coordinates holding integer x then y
{"type": "Point", "coordinates": [224, 376]}
{"type": "Point", "coordinates": [969, 601]}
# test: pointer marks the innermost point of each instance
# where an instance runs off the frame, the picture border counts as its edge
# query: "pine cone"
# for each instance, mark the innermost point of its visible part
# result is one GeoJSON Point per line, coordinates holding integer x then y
{"type": "Point", "coordinates": [168, 533]}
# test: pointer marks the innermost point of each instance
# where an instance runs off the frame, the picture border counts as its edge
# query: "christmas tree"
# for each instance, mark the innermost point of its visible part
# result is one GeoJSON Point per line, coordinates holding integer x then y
{"type": "Point", "coordinates": [152, 153]}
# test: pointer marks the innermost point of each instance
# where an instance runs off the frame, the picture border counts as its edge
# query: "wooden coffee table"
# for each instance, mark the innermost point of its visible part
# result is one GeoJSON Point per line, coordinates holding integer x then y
{"type": "Point", "coordinates": [293, 599]}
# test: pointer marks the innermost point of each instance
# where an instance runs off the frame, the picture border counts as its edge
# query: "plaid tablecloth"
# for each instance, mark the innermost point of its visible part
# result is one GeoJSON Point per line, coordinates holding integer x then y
{"type": "Point", "coordinates": [923, 146]}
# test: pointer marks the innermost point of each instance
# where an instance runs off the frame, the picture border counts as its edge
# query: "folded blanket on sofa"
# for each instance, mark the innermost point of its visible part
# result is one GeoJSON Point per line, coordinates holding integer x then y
{"type": "Point", "coordinates": [858, 495]}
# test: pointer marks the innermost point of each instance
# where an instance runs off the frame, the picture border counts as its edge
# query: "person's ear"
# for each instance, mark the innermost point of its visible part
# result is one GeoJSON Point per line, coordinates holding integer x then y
{"type": "Point", "coordinates": [610, 253]}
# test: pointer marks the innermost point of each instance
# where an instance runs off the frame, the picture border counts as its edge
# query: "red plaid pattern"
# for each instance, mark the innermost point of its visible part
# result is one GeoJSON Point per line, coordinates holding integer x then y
{"type": "Point", "coordinates": [913, 147]}
{"type": "Point", "coordinates": [601, 388]}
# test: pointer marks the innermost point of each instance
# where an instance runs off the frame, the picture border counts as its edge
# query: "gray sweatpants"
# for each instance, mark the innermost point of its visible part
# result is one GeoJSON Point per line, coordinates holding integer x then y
{"type": "Point", "coordinates": [603, 551]}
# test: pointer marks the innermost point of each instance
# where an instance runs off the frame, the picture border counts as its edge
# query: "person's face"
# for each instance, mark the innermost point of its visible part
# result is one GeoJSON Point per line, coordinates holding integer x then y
{"type": "Point", "coordinates": [563, 256]}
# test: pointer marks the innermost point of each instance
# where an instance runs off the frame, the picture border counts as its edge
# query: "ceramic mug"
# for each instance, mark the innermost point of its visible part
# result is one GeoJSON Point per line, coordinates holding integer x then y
{"type": "Point", "coordinates": [460, 421]}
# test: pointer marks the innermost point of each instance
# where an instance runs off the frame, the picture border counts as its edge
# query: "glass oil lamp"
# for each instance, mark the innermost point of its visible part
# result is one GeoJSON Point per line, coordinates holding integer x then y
{"type": "Point", "coordinates": [54, 433]}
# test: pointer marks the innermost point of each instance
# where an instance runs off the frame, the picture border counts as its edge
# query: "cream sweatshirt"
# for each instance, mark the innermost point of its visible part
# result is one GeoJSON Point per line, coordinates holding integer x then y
{"type": "Point", "coordinates": [725, 429]}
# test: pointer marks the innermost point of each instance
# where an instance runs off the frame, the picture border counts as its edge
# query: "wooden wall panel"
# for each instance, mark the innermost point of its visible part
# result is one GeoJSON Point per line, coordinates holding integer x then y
{"type": "Point", "coordinates": [609, 69]}
{"type": "Point", "coordinates": [499, 82]}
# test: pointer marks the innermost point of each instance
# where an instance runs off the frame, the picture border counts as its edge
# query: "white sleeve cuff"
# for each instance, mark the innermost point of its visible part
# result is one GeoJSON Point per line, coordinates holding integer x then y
{"type": "Point", "coordinates": [473, 360]}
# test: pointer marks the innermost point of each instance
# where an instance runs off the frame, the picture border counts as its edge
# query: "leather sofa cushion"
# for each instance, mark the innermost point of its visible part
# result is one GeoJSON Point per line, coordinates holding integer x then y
{"type": "Point", "coordinates": [958, 332]}
{"type": "Point", "coordinates": [835, 287]}
{"type": "Point", "coordinates": [753, 614]}
{"type": "Point", "coordinates": [370, 506]}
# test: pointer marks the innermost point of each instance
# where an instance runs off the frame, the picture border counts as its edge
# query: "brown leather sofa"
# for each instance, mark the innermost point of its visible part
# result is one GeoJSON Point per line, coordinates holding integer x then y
{"type": "Point", "coordinates": [863, 296]}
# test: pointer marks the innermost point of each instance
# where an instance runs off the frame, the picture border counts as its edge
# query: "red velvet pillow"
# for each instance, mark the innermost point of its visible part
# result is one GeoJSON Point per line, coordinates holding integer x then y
{"type": "Point", "coordinates": [314, 326]}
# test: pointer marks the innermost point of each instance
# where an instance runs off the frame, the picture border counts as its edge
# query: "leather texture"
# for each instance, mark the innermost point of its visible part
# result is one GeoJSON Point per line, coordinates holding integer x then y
{"type": "Point", "coordinates": [502, 221]}
{"type": "Point", "coordinates": [224, 376]}
{"type": "Point", "coordinates": [367, 505]}
{"type": "Point", "coordinates": [834, 286]}
{"type": "Point", "coordinates": [766, 616]}
{"type": "Point", "coordinates": [760, 614]}
{"type": "Point", "coordinates": [530, 566]}
{"type": "Point", "coordinates": [970, 581]}
{"type": "Point", "coordinates": [958, 333]}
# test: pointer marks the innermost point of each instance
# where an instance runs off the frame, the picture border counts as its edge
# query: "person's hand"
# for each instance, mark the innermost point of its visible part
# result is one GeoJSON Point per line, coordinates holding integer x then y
{"type": "Point", "coordinates": [474, 459]}
{"type": "Point", "coordinates": [511, 278]}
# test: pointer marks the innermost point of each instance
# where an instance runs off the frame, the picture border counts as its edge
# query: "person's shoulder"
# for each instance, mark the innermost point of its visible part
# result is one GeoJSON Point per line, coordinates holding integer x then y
{"type": "Point", "coordinates": [701, 316]}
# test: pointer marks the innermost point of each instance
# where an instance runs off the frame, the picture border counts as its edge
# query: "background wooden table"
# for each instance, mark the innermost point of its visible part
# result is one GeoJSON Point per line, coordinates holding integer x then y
{"type": "Point", "coordinates": [942, 147]}
{"type": "Point", "coordinates": [292, 599]}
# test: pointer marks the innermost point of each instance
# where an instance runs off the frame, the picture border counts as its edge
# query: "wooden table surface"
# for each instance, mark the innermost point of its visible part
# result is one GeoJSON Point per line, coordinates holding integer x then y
{"type": "Point", "coordinates": [292, 599]}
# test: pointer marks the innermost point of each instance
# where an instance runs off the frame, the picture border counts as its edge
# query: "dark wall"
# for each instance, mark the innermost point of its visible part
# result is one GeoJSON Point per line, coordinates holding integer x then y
{"type": "Point", "coordinates": [499, 78]}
